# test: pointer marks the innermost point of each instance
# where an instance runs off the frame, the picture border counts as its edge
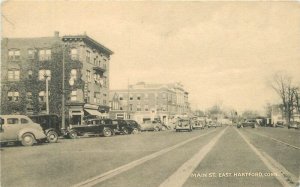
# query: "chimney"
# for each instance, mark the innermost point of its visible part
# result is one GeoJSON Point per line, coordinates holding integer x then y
{"type": "Point", "coordinates": [56, 34]}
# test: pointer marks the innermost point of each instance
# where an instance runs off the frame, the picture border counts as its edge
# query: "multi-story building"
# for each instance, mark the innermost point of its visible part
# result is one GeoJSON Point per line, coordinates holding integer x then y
{"type": "Point", "coordinates": [29, 65]}
{"type": "Point", "coordinates": [143, 102]}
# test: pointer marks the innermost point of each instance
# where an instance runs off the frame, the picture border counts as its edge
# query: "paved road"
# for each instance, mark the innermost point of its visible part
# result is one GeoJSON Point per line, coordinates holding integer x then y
{"type": "Point", "coordinates": [224, 156]}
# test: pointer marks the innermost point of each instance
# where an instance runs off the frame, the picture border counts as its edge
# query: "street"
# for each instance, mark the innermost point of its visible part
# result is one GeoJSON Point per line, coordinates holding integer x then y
{"type": "Point", "coordinates": [223, 156]}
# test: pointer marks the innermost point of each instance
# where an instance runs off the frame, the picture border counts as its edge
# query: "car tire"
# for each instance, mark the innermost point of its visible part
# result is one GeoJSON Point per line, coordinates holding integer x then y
{"type": "Point", "coordinates": [156, 128]}
{"type": "Point", "coordinates": [27, 139]}
{"type": "Point", "coordinates": [163, 128]}
{"type": "Point", "coordinates": [107, 132]}
{"type": "Point", "coordinates": [52, 137]}
{"type": "Point", "coordinates": [72, 134]}
{"type": "Point", "coordinates": [125, 131]}
{"type": "Point", "coordinates": [135, 131]}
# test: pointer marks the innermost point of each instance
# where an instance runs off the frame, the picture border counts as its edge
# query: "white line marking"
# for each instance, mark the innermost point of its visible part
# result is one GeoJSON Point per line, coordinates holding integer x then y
{"type": "Point", "coordinates": [275, 139]}
{"type": "Point", "coordinates": [179, 177]}
{"type": "Point", "coordinates": [273, 169]}
{"type": "Point", "coordinates": [102, 177]}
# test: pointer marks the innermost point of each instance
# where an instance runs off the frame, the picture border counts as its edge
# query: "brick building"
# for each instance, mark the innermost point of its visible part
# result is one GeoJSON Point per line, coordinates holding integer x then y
{"type": "Point", "coordinates": [28, 63]}
{"type": "Point", "coordinates": [143, 102]}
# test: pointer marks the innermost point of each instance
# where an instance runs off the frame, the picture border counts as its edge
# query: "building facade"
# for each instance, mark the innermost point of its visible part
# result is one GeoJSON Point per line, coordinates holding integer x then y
{"type": "Point", "coordinates": [143, 102]}
{"type": "Point", "coordinates": [34, 72]}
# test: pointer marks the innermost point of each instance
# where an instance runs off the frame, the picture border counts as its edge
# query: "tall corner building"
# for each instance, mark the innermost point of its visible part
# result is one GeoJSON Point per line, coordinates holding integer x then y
{"type": "Point", "coordinates": [28, 63]}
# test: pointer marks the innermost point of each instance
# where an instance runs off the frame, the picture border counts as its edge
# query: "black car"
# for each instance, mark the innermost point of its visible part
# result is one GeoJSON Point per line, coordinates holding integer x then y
{"type": "Point", "coordinates": [104, 127]}
{"type": "Point", "coordinates": [248, 123]}
{"type": "Point", "coordinates": [50, 123]}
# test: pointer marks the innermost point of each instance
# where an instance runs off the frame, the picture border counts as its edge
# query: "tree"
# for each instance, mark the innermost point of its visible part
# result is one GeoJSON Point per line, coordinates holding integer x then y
{"type": "Point", "coordinates": [282, 84]}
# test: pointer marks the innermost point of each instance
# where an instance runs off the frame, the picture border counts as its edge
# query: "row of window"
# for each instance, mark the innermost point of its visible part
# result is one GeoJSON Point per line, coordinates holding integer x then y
{"type": "Point", "coordinates": [14, 75]}
{"type": "Point", "coordinates": [14, 96]}
{"type": "Point", "coordinates": [145, 97]}
{"type": "Point", "coordinates": [96, 60]}
{"type": "Point", "coordinates": [139, 108]}
{"type": "Point", "coordinates": [44, 54]}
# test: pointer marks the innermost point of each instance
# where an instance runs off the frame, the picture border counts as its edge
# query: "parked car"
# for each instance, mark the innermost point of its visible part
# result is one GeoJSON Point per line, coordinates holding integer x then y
{"type": "Point", "coordinates": [151, 126]}
{"type": "Point", "coordinates": [294, 125]}
{"type": "Point", "coordinates": [51, 125]}
{"type": "Point", "coordinates": [248, 123]}
{"type": "Point", "coordinates": [20, 128]}
{"type": "Point", "coordinates": [183, 124]}
{"type": "Point", "coordinates": [198, 124]}
{"type": "Point", "coordinates": [126, 126]}
{"type": "Point", "coordinates": [104, 127]}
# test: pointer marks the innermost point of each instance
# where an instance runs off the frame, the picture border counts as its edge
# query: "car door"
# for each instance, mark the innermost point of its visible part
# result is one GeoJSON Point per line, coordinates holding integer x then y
{"type": "Point", "coordinates": [10, 129]}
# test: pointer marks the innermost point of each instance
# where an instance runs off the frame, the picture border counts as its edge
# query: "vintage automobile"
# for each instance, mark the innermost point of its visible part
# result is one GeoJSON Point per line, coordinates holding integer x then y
{"type": "Point", "coordinates": [294, 125]}
{"type": "Point", "coordinates": [151, 126]}
{"type": "Point", "coordinates": [104, 127]}
{"type": "Point", "coordinates": [51, 125]}
{"type": "Point", "coordinates": [126, 126]}
{"type": "Point", "coordinates": [212, 124]}
{"type": "Point", "coordinates": [20, 128]}
{"type": "Point", "coordinates": [248, 123]}
{"type": "Point", "coordinates": [199, 124]}
{"type": "Point", "coordinates": [183, 124]}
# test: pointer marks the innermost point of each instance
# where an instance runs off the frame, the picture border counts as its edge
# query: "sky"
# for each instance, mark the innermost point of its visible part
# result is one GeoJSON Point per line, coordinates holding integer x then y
{"type": "Point", "coordinates": [223, 53]}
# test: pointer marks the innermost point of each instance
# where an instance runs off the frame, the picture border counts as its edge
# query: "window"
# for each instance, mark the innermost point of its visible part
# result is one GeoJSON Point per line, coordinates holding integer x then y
{"type": "Point", "coordinates": [74, 55]}
{"type": "Point", "coordinates": [13, 75]}
{"type": "Point", "coordinates": [121, 108]}
{"type": "Point", "coordinates": [43, 74]}
{"type": "Point", "coordinates": [74, 95]}
{"type": "Point", "coordinates": [88, 75]}
{"type": "Point", "coordinates": [14, 54]}
{"type": "Point", "coordinates": [131, 98]}
{"type": "Point", "coordinates": [30, 74]}
{"type": "Point", "coordinates": [146, 108]}
{"type": "Point", "coordinates": [97, 79]}
{"type": "Point", "coordinates": [104, 102]}
{"type": "Point", "coordinates": [42, 96]}
{"type": "Point", "coordinates": [138, 97]}
{"type": "Point", "coordinates": [130, 107]}
{"type": "Point", "coordinates": [138, 108]}
{"type": "Point", "coordinates": [45, 54]}
{"type": "Point", "coordinates": [30, 53]}
{"type": "Point", "coordinates": [29, 95]}
{"type": "Point", "coordinates": [13, 96]}
{"type": "Point", "coordinates": [164, 95]}
{"type": "Point", "coordinates": [12, 121]}
{"type": "Point", "coordinates": [73, 74]}
{"type": "Point", "coordinates": [120, 97]}
{"type": "Point", "coordinates": [24, 121]}
{"type": "Point", "coordinates": [96, 60]}
{"type": "Point", "coordinates": [88, 56]}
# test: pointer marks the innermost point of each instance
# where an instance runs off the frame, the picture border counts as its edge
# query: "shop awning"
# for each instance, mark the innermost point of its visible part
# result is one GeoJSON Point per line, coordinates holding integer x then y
{"type": "Point", "coordinates": [93, 112]}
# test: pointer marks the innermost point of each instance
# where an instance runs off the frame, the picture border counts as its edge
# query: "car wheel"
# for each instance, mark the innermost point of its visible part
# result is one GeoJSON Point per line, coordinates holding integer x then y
{"type": "Point", "coordinates": [177, 130]}
{"type": "Point", "coordinates": [27, 139]}
{"type": "Point", "coordinates": [107, 132]}
{"type": "Point", "coordinates": [163, 128]}
{"type": "Point", "coordinates": [125, 131]}
{"type": "Point", "coordinates": [52, 137]}
{"type": "Point", "coordinates": [135, 131]}
{"type": "Point", "coordinates": [156, 128]}
{"type": "Point", "coordinates": [72, 134]}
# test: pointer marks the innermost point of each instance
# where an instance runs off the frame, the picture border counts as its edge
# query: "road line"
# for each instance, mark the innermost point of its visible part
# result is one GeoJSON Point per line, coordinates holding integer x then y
{"type": "Point", "coordinates": [288, 175]}
{"type": "Point", "coordinates": [276, 140]}
{"type": "Point", "coordinates": [179, 177]}
{"type": "Point", "coordinates": [272, 168]}
{"type": "Point", "coordinates": [102, 177]}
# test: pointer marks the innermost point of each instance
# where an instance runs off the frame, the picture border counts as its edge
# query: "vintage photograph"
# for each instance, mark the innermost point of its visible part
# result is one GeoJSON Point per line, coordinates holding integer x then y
{"type": "Point", "coordinates": [150, 93]}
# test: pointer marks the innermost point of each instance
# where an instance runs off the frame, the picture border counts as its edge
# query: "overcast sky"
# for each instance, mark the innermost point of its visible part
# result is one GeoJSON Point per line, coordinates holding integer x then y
{"type": "Point", "coordinates": [222, 52]}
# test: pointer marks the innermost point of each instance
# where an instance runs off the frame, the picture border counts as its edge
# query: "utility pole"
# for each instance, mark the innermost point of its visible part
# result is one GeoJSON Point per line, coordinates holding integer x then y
{"type": "Point", "coordinates": [63, 125]}
{"type": "Point", "coordinates": [47, 93]}
{"type": "Point", "coordinates": [128, 98]}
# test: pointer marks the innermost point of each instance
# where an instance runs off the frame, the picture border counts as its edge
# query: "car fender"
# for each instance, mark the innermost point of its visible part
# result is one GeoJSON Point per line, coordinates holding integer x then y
{"type": "Point", "coordinates": [51, 129]}
{"type": "Point", "coordinates": [36, 133]}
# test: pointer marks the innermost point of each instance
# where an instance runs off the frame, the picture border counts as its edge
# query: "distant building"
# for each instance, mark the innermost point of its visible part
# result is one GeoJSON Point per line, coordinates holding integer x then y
{"type": "Point", "coordinates": [143, 102]}
{"type": "Point", "coordinates": [27, 62]}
